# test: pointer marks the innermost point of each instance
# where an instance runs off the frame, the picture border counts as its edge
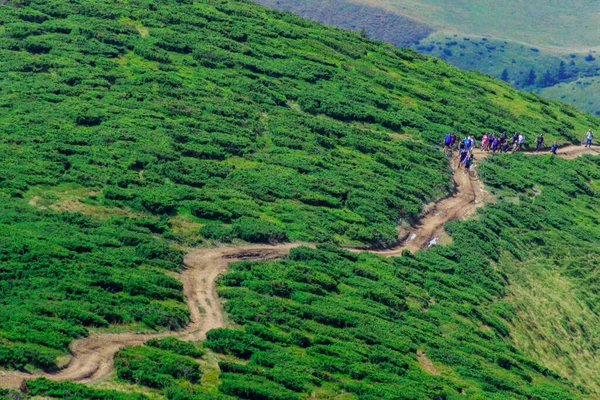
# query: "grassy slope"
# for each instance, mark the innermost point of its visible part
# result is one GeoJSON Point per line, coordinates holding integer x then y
{"type": "Point", "coordinates": [494, 315]}
{"type": "Point", "coordinates": [565, 23]}
{"type": "Point", "coordinates": [493, 56]}
{"type": "Point", "coordinates": [584, 93]}
{"type": "Point", "coordinates": [556, 32]}
{"type": "Point", "coordinates": [553, 289]}
{"type": "Point", "coordinates": [127, 131]}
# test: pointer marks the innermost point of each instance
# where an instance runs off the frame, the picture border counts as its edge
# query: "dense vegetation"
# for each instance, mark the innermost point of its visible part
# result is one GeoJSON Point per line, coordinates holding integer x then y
{"type": "Point", "coordinates": [130, 133]}
{"type": "Point", "coordinates": [127, 130]}
{"type": "Point", "coordinates": [63, 273]}
{"type": "Point", "coordinates": [73, 391]}
{"type": "Point", "coordinates": [436, 324]}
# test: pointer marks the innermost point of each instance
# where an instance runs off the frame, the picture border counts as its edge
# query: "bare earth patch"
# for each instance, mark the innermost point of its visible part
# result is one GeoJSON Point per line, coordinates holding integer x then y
{"type": "Point", "coordinates": [426, 363]}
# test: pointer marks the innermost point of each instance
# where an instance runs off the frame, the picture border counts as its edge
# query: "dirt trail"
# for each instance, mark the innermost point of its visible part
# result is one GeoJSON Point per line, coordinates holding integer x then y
{"type": "Point", "coordinates": [467, 197]}
{"type": "Point", "coordinates": [92, 357]}
{"type": "Point", "coordinates": [568, 152]}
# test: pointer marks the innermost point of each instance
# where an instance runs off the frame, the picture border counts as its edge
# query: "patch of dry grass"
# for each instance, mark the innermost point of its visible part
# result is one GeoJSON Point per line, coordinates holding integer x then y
{"type": "Point", "coordinates": [551, 324]}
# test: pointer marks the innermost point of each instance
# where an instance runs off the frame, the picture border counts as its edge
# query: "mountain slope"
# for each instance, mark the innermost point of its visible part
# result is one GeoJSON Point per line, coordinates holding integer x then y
{"type": "Point", "coordinates": [130, 133]}
{"type": "Point", "coordinates": [554, 39]}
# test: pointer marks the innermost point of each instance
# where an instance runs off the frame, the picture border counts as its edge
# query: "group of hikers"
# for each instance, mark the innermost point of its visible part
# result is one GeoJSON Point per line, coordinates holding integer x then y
{"type": "Point", "coordinates": [496, 143]}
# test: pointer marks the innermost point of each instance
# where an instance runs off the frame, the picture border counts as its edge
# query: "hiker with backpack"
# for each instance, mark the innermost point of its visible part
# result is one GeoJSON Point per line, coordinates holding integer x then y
{"type": "Point", "coordinates": [462, 152]}
{"type": "Point", "coordinates": [554, 148]}
{"type": "Point", "coordinates": [492, 136]}
{"type": "Point", "coordinates": [515, 137]}
{"type": "Point", "coordinates": [472, 144]}
{"type": "Point", "coordinates": [454, 139]}
{"type": "Point", "coordinates": [495, 144]}
{"type": "Point", "coordinates": [519, 143]}
{"type": "Point", "coordinates": [467, 142]}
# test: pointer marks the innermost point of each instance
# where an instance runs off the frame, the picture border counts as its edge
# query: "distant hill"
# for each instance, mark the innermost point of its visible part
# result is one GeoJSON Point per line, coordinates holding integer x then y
{"type": "Point", "coordinates": [376, 22]}
{"type": "Point", "coordinates": [509, 40]}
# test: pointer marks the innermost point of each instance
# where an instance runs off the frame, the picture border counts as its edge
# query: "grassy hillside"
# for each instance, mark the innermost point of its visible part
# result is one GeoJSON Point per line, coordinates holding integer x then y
{"type": "Point", "coordinates": [487, 36]}
{"type": "Point", "coordinates": [562, 23]}
{"type": "Point", "coordinates": [130, 133]}
{"type": "Point", "coordinates": [583, 93]}
{"type": "Point", "coordinates": [508, 310]}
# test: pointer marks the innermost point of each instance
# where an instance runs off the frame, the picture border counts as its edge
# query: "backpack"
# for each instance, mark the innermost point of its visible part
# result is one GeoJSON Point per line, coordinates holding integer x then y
{"type": "Point", "coordinates": [447, 139]}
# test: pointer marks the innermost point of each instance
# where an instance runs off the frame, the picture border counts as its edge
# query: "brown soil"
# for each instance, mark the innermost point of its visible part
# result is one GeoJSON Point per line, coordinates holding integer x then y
{"type": "Point", "coordinates": [92, 357]}
{"type": "Point", "coordinates": [426, 363]}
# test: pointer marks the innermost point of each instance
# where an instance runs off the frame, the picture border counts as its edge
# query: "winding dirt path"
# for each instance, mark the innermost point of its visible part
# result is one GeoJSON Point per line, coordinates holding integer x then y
{"type": "Point", "coordinates": [468, 195]}
{"type": "Point", "coordinates": [92, 357]}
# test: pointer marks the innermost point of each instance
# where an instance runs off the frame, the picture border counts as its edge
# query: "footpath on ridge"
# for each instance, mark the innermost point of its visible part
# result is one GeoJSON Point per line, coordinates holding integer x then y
{"type": "Point", "coordinates": [92, 357]}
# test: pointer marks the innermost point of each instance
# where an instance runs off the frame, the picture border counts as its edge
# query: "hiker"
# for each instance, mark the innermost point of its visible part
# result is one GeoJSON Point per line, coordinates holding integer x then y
{"type": "Point", "coordinates": [503, 137]}
{"type": "Point", "coordinates": [463, 155]}
{"type": "Point", "coordinates": [454, 139]}
{"type": "Point", "coordinates": [554, 148]}
{"type": "Point", "coordinates": [484, 141]}
{"type": "Point", "coordinates": [491, 138]}
{"type": "Point", "coordinates": [540, 142]}
{"type": "Point", "coordinates": [588, 138]}
{"type": "Point", "coordinates": [519, 143]}
{"type": "Point", "coordinates": [495, 144]}
{"type": "Point", "coordinates": [473, 144]}
{"type": "Point", "coordinates": [468, 163]}
{"type": "Point", "coordinates": [515, 138]}
{"type": "Point", "coordinates": [448, 142]}
{"type": "Point", "coordinates": [467, 142]}
{"type": "Point", "coordinates": [505, 147]}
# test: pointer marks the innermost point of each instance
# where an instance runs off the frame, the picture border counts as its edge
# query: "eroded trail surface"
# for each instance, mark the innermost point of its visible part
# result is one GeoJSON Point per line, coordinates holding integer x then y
{"type": "Point", "coordinates": [92, 357]}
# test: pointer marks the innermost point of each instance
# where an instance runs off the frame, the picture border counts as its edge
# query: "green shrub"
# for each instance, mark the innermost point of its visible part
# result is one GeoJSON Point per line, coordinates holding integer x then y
{"type": "Point", "coordinates": [258, 231]}
{"type": "Point", "coordinates": [176, 346]}
{"type": "Point", "coordinates": [222, 233]}
{"type": "Point", "coordinates": [155, 368]}
{"type": "Point", "coordinates": [233, 342]}
{"type": "Point", "coordinates": [68, 390]}
{"type": "Point", "coordinates": [208, 210]}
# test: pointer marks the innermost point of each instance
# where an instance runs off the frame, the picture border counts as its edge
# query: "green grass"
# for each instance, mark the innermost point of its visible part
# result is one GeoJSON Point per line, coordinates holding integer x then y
{"type": "Point", "coordinates": [583, 93]}
{"type": "Point", "coordinates": [551, 323]}
{"type": "Point", "coordinates": [562, 24]}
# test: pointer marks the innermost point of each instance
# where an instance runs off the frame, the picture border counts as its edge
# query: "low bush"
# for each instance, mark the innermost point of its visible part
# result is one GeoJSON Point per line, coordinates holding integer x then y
{"type": "Point", "coordinates": [153, 367]}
